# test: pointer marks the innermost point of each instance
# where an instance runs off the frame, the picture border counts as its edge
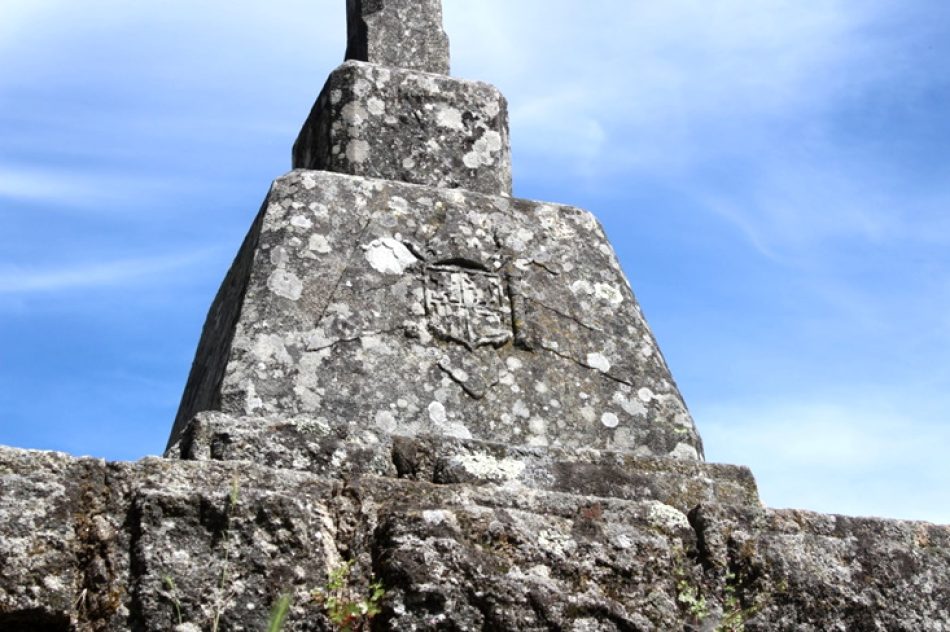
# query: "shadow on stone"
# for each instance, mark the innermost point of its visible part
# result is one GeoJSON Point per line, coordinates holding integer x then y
{"type": "Point", "coordinates": [34, 620]}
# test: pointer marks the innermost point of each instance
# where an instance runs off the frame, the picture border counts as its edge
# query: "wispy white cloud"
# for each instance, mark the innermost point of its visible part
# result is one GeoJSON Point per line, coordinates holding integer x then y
{"type": "Point", "coordinates": [72, 188]}
{"type": "Point", "coordinates": [18, 280]}
{"type": "Point", "coordinates": [861, 455]}
{"type": "Point", "coordinates": [679, 90]}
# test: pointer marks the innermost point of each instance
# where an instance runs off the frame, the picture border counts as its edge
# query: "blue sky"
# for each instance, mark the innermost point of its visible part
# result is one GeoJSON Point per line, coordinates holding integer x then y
{"type": "Point", "coordinates": [775, 177]}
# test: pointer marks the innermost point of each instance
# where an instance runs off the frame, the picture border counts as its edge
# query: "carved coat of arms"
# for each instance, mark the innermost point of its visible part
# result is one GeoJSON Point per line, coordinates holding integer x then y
{"type": "Point", "coordinates": [467, 305]}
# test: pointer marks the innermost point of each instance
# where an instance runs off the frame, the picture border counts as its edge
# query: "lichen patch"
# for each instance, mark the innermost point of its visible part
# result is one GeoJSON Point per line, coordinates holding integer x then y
{"type": "Point", "coordinates": [389, 256]}
{"type": "Point", "coordinates": [598, 361]}
{"type": "Point", "coordinates": [285, 284]}
{"type": "Point", "coordinates": [487, 467]}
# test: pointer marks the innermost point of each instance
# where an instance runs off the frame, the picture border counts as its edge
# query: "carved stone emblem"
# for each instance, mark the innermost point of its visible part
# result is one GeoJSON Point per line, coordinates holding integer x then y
{"type": "Point", "coordinates": [467, 305]}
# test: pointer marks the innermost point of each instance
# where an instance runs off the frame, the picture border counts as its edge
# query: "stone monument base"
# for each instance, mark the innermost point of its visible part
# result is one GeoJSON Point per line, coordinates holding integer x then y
{"type": "Point", "coordinates": [408, 309]}
{"type": "Point", "coordinates": [462, 535]}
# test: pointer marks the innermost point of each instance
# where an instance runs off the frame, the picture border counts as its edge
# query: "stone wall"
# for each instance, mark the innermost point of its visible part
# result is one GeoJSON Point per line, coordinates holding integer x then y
{"type": "Point", "coordinates": [89, 545]}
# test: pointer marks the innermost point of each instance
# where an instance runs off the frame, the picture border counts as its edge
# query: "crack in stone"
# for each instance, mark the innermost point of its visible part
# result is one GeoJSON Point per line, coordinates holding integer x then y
{"type": "Point", "coordinates": [459, 378]}
{"type": "Point", "coordinates": [360, 336]}
{"type": "Point", "coordinates": [377, 288]}
{"type": "Point", "coordinates": [566, 315]}
{"type": "Point", "coordinates": [545, 267]}
{"type": "Point", "coordinates": [346, 268]}
{"type": "Point", "coordinates": [550, 349]}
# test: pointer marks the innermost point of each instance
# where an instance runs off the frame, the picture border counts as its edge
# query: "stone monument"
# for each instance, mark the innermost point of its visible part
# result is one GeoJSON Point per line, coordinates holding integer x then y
{"type": "Point", "coordinates": [391, 283]}
{"type": "Point", "coordinates": [410, 377]}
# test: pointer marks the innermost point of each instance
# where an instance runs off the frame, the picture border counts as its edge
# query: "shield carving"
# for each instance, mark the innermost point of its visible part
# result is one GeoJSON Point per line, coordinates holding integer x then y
{"type": "Point", "coordinates": [467, 305]}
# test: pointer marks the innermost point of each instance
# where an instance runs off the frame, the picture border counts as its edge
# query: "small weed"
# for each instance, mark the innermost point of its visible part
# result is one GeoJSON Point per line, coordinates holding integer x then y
{"type": "Point", "coordinates": [173, 592]}
{"type": "Point", "coordinates": [346, 606]}
{"type": "Point", "coordinates": [278, 614]}
{"type": "Point", "coordinates": [223, 594]}
{"type": "Point", "coordinates": [733, 616]}
{"type": "Point", "coordinates": [695, 603]}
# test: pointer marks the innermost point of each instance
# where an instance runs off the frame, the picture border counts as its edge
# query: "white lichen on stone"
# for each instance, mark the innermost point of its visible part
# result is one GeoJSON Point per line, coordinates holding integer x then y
{"type": "Point", "coordinates": [398, 205]}
{"type": "Point", "coordinates": [439, 516]}
{"type": "Point", "coordinates": [357, 151]}
{"type": "Point", "coordinates": [665, 517]}
{"type": "Point", "coordinates": [279, 256]}
{"type": "Point", "coordinates": [685, 451]}
{"type": "Point", "coordinates": [318, 243]}
{"type": "Point", "coordinates": [633, 407]}
{"type": "Point", "coordinates": [389, 256]}
{"type": "Point", "coordinates": [251, 401]}
{"type": "Point", "coordinates": [556, 543]}
{"type": "Point", "coordinates": [622, 541]}
{"type": "Point", "coordinates": [268, 347]}
{"type": "Point", "coordinates": [385, 421]}
{"type": "Point", "coordinates": [610, 420]}
{"type": "Point", "coordinates": [449, 118]}
{"type": "Point", "coordinates": [520, 409]}
{"type": "Point", "coordinates": [609, 293]}
{"type": "Point", "coordinates": [537, 425]}
{"type": "Point", "coordinates": [285, 284]}
{"type": "Point", "coordinates": [353, 113]}
{"type": "Point", "coordinates": [361, 87]}
{"type": "Point", "coordinates": [598, 361]}
{"type": "Point", "coordinates": [376, 107]}
{"type": "Point", "coordinates": [483, 150]}
{"type": "Point", "coordinates": [437, 413]}
{"type": "Point", "coordinates": [301, 221]}
{"type": "Point", "coordinates": [582, 286]}
{"type": "Point", "coordinates": [487, 467]}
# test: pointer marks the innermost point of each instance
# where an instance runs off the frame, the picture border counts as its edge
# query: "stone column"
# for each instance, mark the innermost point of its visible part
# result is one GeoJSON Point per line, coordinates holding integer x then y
{"type": "Point", "coordinates": [392, 112]}
{"type": "Point", "coordinates": [398, 33]}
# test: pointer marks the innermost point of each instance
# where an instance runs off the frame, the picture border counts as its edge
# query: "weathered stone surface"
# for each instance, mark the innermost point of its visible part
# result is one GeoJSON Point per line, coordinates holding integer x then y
{"type": "Point", "coordinates": [451, 557]}
{"type": "Point", "coordinates": [307, 444]}
{"type": "Point", "coordinates": [37, 539]}
{"type": "Point", "coordinates": [449, 390]}
{"type": "Point", "coordinates": [63, 548]}
{"type": "Point", "coordinates": [411, 127]}
{"type": "Point", "coordinates": [229, 560]}
{"type": "Point", "coordinates": [398, 33]}
{"type": "Point", "coordinates": [415, 310]}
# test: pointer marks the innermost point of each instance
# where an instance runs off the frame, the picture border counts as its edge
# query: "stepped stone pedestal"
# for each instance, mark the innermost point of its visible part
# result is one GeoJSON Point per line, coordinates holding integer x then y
{"type": "Point", "coordinates": [408, 126]}
{"type": "Point", "coordinates": [453, 392]}
{"type": "Point", "coordinates": [415, 310]}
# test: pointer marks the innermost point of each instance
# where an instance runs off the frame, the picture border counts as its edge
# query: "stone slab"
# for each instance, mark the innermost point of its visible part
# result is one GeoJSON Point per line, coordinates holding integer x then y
{"type": "Point", "coordinates": [38, 539]}
{"type": "Point", "coordinates": [207, 558]}
{"type": "Point", "coordinates": [417, 310]}
{"type": "Point", "coordinates": [456, 556]}
{"type": "Point", "coordinates": [408, 126]}
{"type": "Point", "coordinates": [398, 33]}
{"type": "Point", "coordinates": [313, 446]}
{"type": "Point", "coordinates": [61, 531]}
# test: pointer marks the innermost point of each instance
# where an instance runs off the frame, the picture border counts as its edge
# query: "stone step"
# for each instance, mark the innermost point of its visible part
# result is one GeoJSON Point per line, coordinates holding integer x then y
{"type": "Point", "coordinates": [86, 544]}
{"type": "Point", "coordinates": [312, 445]}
